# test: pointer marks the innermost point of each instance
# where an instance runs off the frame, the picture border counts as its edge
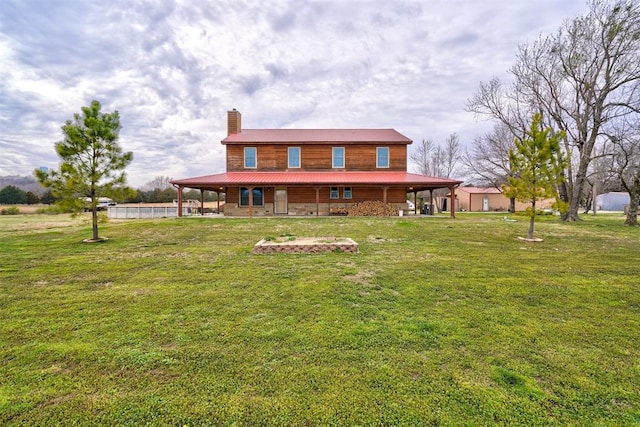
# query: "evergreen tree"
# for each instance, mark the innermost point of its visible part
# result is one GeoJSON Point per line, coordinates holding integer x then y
{"type": "Point", "coordinates": [92, 161]}
{"type": "Point", "coordinates": [12, 195]}
{"type": "Point", "coordinates": [536, 163]}
{"type": "Point", "coordinates": [47, 198]}
{"type": "Point", "coordinates": [31, 198]}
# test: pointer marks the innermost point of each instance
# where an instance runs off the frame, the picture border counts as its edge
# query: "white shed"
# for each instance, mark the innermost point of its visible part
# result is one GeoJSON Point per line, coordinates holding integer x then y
{"type": "Point", "coordinates": [613, 201]}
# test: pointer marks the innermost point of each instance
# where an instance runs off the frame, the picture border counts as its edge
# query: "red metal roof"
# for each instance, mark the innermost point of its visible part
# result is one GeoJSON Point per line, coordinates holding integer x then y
{"type": "Point", "coordinates": [287, 136]}
{"type": "Point", "coordinates": [480, 190]}
{"type": "Point", "coordinates": [359, 178]}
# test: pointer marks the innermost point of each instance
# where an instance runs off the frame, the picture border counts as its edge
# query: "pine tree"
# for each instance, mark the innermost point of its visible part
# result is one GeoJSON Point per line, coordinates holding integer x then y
{"type": "Point", "coordinates": [536, 163]}
{"type": "Point", "coordinates": [92, 161]}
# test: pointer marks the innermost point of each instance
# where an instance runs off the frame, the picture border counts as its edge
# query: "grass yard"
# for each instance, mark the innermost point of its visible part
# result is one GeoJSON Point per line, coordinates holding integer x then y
{"type": "Point", "coordinates": [435, 322]}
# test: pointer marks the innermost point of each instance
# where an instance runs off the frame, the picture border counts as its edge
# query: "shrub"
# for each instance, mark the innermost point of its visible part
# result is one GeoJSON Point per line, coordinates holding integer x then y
{"type": "Point", "coordinates": [51, 210]}
{"type": "Point", "coordinates": [11, 210]}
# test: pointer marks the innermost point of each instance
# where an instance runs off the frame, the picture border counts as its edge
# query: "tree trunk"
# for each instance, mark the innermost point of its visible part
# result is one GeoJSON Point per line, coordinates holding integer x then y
{"type": "Point", "coordinates": [563, 193]}
{"type": "Point", "coordinates": [578, 187]}
{"type": "Point", "coordinates": [632, 213]}
{"type": "Point", "coordinates": [94, 213]}
{"type": "Point", "coordinates": [532, 220]}
{"type": "Point", "coordinates": [94, 221]}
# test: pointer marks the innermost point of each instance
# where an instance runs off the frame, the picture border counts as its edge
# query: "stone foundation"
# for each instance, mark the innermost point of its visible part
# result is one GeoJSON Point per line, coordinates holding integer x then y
{"type": "Point", "coordinates": [297, 209]}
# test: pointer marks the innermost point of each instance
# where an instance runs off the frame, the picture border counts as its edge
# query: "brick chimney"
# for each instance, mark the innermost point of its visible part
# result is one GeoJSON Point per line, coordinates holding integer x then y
{"type": "Point", "coordinates": [234, 122]}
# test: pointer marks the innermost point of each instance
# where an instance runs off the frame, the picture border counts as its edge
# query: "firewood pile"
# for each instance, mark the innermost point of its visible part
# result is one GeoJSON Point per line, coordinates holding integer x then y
{"type": "Point", "coordinates": [372, 208]}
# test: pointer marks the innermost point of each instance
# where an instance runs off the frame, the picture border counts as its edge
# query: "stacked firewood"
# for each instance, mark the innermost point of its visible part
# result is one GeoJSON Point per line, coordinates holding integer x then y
{"type": "Point", "coordinates": [372, 208]}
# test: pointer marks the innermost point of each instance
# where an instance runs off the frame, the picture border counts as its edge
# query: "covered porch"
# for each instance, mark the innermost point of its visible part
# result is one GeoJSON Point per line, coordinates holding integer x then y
{"type": "Point", "coordinates": [311, 193]}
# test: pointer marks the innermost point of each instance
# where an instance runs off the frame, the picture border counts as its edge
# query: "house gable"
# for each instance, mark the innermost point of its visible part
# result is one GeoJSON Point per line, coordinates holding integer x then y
{"type": "Point", "coordinates": [316, 157]}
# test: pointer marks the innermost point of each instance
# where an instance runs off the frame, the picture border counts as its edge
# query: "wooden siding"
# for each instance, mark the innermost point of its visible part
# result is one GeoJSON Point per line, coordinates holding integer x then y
{"type": "Point", "coordinates": [308, 195]}
{"type": "Point", "coordinates": [358, 157]}
{"type": "Point", "coordinates": [231, 195]}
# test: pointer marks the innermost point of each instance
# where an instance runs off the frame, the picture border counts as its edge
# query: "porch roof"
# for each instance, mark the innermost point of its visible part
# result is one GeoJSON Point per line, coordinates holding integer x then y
{"type": "Point", "coordinates": [323, 178]}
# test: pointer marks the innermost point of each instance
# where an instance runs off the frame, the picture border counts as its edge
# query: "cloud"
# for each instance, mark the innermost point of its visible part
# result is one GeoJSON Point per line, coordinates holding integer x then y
{"type": "Point", "coordinates": [173, 68]}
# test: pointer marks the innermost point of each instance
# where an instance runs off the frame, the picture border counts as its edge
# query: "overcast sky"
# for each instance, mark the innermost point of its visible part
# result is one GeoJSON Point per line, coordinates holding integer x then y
{"type": "Point", "coordinates": [173, 68]}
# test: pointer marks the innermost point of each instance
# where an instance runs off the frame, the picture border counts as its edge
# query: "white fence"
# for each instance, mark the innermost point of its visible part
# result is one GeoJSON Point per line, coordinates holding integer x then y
{"type": "Point", "coordinates": [135, 212]}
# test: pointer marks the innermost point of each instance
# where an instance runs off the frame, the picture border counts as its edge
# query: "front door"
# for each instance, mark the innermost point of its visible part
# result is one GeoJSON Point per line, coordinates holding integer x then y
{"type": "Point", "coordinates": [485, 204]}
{"type": "Point", "coordinates": [280, 201]}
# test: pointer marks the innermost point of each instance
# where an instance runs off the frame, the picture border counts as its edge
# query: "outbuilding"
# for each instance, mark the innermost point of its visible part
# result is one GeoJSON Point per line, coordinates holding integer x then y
{"type": "Point", "coordinates": [616, 201]}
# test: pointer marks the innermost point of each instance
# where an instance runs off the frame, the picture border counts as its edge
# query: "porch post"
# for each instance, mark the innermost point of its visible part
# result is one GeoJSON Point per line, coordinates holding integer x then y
{"type": "Point", "coordinates": [218, 198]}
{"type": "Point", "coordinates": [453, 201]}
{"type": "Point", "coordinates": [179, 200]}
{"type": "Point", "coordinates": [250, 201]}
{"type": "Point", "coordinates": [384, 194]}
{"type": "Point", "coordinates": [201, 202]}
{"type": "Point", "coordinates": [431, 202]}
{"type": "Point", "coordinates": [415, 202]}
{"type": "Point", "coordinates": [317, 188]}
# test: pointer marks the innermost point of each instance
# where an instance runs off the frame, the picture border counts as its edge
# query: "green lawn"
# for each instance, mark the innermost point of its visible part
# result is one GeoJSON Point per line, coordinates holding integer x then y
{"type": "Point", "coordinates": [435, 322]}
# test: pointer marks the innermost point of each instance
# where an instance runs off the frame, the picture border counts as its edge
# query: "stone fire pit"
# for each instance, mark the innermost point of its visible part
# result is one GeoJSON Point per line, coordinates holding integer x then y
{"type": "Point", "coordinates": [292, 244]}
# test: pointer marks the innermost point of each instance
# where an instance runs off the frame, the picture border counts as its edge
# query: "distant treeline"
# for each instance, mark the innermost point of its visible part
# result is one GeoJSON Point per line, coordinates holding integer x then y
{"type": "Point", "coordinates": [17, 190]}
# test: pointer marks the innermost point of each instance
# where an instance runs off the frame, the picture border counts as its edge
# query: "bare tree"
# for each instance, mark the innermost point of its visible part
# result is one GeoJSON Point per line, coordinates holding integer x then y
{"type": "Point", "coordinates": [486, 159]}
{"type": "Point", "coordinates": [158, 190]}
{"type": "Point", "coordinates": [159, 183]}
{"type": "Point", "coordinates": [437, 160]}
{"type": "Point", "coordinates": [450, 156]}
{"type": "Point", "coordinates": [422, 157]}
{"type": "Point", "coordinates": [581, 78]}
{"type": "Point", "coordinates": [626, 164]}
{"type": "Point", "coordinates": [601, 177]}
{"type": "Point", "coordinates": [503, 104]}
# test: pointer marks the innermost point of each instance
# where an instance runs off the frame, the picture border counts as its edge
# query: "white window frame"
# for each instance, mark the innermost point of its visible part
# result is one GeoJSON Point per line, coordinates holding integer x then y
{"type": "Point", "coordinates": [289, 157]}
{"type": "Point", "coordinates": [334, 193]}
{"type": "Point", "coordinates": [334, 157]}
{"type": "Point", "coordinates": [347, 193]}
{"type": "Point", "coordinates": [255, 157]}
{"type": "Point", "coordinates": [379, 157]}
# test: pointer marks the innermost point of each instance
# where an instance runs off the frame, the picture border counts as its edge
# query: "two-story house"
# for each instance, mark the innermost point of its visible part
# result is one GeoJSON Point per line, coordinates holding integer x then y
{"type": "Point", "coordinates": [311, 171]}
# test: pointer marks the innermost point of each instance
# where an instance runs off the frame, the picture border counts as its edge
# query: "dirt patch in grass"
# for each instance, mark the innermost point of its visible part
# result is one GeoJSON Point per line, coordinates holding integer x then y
{"type": "Point", "coordinates": [361, 277]}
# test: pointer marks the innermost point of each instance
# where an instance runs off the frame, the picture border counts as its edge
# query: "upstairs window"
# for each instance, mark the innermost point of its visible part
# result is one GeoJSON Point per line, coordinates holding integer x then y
{"type": "Point", "coordinates": [250, 157]}
{"type": "Point", "coordinates": [294, 157]}
{"type": "Point", "coordinates": [382, 157]}
{"type": "Point", "coordinates": [337, 155]}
